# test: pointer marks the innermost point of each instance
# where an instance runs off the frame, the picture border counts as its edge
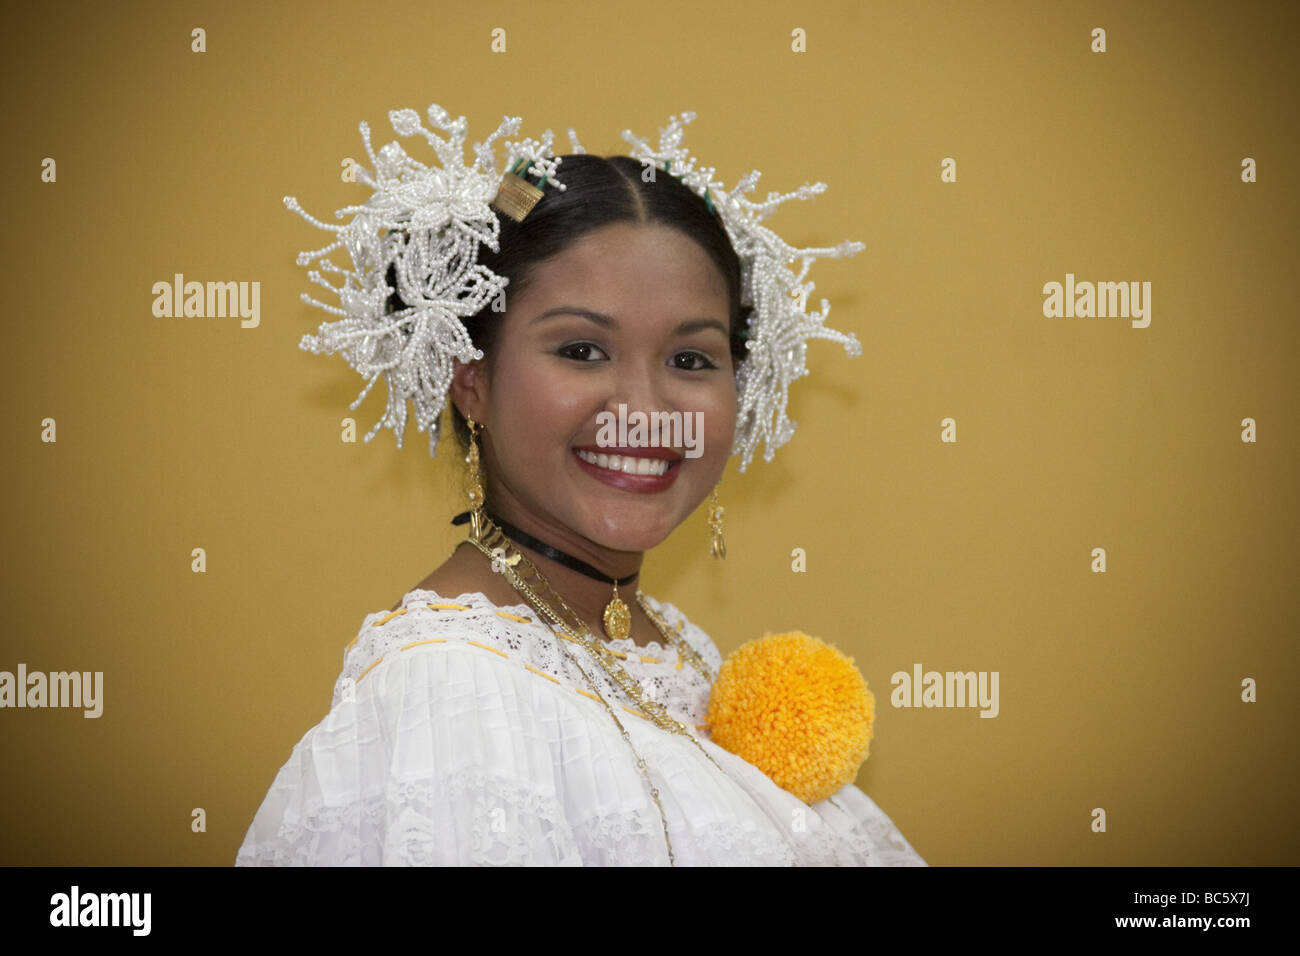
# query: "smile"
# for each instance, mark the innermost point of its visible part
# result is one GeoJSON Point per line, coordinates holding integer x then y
{"type": "Point", "coordinates": [648, 471]}
{"type": "Point", "coordinates": [627, 464]}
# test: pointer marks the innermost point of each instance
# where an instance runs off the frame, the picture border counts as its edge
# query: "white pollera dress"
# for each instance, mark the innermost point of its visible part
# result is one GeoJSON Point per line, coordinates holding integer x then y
{"type": "Point", "coordinates": [461, 733]}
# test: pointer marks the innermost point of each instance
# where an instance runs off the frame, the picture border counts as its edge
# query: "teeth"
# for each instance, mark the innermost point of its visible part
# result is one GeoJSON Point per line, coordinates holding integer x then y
{"type": "Point", "coordinates": [628, 464]}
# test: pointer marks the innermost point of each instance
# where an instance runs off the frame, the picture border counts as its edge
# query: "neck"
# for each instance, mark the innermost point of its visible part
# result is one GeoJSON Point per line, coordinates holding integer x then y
{"type": "Point", "coordinates": [586, 595]}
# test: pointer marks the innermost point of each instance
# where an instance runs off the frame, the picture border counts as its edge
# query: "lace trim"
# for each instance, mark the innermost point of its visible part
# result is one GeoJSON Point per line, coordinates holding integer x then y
{"type": "Point", "coordinates": [515, 632]}
{"type": "Point", "coordinates": [671, 613]}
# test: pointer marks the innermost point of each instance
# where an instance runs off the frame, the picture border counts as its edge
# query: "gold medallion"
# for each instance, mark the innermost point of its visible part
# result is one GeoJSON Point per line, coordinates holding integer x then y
{"type": "Point", "coordinates": [618, 619]}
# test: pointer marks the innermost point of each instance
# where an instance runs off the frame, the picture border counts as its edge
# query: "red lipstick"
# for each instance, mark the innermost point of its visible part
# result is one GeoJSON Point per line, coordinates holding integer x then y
{"type": "Point", "coordinates": [643, 484]}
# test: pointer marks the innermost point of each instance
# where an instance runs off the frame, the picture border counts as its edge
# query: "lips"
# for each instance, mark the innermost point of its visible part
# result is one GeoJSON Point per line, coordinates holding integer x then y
{"type": "Point", "coordinates": [644, 484]}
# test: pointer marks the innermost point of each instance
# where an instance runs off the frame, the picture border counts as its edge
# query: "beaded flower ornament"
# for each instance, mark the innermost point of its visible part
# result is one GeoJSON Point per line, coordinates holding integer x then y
{"type": "Point", "coordinates": [425, 225]}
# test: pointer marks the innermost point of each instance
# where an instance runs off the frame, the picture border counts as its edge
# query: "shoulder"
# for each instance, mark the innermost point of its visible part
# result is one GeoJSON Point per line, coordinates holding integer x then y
{"type": "Point", "coordinates": [424, 616]}
{"type": "Point", "coordinates": [440, 722]}
{"type": "Point", "coordinates": [468, 628]}
{"type": "Point", "coordinates": [464, 572]}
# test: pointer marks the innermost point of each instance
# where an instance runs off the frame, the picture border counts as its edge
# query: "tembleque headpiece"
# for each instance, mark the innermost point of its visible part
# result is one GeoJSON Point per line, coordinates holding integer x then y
{"type": "Point", "coordinates": [426, 224]}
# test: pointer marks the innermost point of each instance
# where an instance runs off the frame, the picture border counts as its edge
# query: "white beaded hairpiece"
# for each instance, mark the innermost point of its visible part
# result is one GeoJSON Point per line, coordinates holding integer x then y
{"type": "Point", "coordinates": [780, 325]}
{"type": "Point", "coordinates": [427, 223]}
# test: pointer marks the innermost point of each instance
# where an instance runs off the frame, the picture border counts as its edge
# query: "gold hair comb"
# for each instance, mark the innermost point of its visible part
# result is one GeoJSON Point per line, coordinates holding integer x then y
{"type": "Point", "coordinates": [516, 197]}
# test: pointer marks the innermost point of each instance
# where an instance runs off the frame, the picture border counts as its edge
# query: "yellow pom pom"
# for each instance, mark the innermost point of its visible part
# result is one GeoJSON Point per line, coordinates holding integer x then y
{"type": "Point", "coordinates": [796, 708]}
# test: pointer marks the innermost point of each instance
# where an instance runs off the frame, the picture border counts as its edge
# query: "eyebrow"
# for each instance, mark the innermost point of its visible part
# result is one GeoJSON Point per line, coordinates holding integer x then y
{"type": "Point", "coordinates": [600, 318]}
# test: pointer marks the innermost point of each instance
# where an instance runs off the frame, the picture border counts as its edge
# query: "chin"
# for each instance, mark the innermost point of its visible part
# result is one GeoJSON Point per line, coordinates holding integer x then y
{"type": "Point", "coordinates": [632, 535]}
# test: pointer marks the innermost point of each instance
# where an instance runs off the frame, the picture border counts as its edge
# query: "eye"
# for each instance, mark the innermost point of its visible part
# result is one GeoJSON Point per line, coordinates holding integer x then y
{"type": "Point", "coordinates": [580, 351]}
{"type": "Point", "coordinates": [693, 356]}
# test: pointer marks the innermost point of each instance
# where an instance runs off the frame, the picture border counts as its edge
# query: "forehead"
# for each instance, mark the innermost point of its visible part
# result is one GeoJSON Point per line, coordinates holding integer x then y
{"type": "Point", "coordinates": [631, 264]}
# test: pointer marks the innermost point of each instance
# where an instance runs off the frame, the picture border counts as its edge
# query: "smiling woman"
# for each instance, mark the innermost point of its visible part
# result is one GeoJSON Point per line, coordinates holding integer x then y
{"type": "Point", "coordinates": [512, 707]}
{"type": "Point", "coordinates": [543, 385]}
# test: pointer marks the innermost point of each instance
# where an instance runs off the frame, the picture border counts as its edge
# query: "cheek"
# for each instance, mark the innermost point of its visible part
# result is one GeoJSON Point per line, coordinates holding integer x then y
{"type": "Point", "coordinates": [538, 400]}
{"type": "Point", "coordinates": [720, 415]}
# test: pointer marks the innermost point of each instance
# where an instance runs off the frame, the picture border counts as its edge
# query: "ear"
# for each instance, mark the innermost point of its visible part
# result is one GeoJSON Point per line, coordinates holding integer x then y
{"type": "Point", "coordinates": [470, 388]}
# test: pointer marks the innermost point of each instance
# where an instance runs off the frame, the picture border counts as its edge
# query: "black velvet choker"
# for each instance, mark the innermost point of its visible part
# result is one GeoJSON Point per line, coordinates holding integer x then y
{"type": "Point", "coordinates": [541, 547]}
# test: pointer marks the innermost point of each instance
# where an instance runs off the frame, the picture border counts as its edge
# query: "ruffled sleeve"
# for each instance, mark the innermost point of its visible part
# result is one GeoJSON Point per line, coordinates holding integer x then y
{"type": "Point", "coordinates": [447, 754]}
{"type": "Point", "coordinates": [861, 823]}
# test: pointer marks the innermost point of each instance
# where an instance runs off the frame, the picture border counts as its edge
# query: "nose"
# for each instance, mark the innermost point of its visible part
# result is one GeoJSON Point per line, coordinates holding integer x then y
{"type": "Point", "coordinates": [640, 389]}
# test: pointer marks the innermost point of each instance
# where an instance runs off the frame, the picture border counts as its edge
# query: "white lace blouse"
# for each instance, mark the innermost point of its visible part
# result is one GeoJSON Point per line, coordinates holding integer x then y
{"type": "Point", "coordinates": [461, 733]}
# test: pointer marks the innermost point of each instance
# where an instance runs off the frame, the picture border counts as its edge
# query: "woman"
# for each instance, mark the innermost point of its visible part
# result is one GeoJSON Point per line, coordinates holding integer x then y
{"type": "Point", "coordinates": [513, 707]}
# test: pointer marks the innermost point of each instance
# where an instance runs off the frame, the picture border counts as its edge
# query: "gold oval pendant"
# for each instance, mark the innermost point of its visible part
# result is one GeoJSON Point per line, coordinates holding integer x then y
{"type": "Point", "coordinates": [618, 619]}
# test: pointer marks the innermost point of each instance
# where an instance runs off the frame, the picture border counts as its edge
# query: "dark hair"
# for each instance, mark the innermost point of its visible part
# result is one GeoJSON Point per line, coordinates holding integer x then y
{"type": "Point", "coordinates": [599, 191]}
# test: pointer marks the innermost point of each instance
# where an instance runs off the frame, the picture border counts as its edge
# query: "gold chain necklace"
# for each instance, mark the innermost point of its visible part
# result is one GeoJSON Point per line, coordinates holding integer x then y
{"type": "Point", "coordinates": [503, 563]}
{"type": "Point", "coordinates": [509, 562]}
{"type": "Point", "coordinates": [670, 635]}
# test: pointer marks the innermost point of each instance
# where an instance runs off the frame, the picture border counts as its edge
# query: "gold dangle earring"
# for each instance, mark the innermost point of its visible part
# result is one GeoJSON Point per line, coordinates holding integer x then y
{"type": "Point", "coordinates": [716, 544]}
{"type": "Point", "coordinates": [474, 484]}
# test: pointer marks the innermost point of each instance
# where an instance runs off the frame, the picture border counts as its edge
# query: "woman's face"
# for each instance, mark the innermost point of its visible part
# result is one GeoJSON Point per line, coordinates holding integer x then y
{"type": "Point", "coordinates": [629, 314]}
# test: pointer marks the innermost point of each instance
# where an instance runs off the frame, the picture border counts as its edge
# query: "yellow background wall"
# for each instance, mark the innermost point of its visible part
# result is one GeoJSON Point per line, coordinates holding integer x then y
{"type": "Point", "coordinates": [1120, 690]}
